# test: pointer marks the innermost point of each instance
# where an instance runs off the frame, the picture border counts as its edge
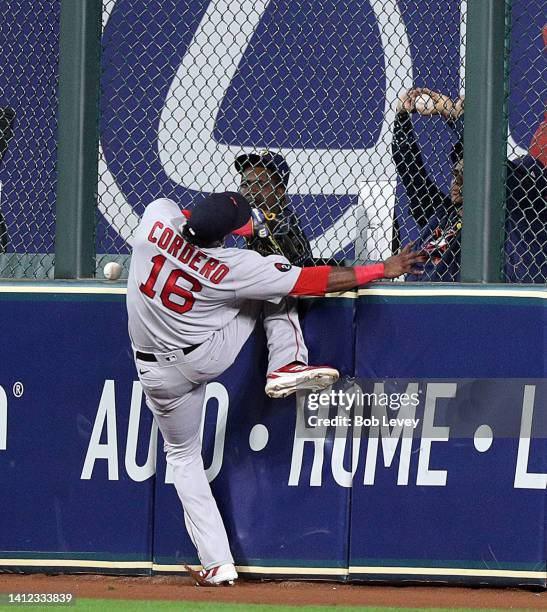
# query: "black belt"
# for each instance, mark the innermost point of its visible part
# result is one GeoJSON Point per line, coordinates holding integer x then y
{"type": "Point", "coordinates": [152, 357]}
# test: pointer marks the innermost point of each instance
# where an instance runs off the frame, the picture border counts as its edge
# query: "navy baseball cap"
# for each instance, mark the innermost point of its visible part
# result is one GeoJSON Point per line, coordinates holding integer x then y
{"type": "Point", "coordinates": [218, 215]}
{"type": "Point", "coordinates": [271, 161]}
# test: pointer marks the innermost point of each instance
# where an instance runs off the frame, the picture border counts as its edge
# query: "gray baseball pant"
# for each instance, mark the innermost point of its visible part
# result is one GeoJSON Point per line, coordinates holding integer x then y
{"type": "Point", "coordinates": [175, 389]}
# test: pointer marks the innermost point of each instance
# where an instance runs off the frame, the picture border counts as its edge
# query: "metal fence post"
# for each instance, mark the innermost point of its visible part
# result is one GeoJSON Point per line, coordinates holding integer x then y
{"type": "Point", "coordinates": [78, 124]}
{"type": "Point", "coordinates": [484, 142]}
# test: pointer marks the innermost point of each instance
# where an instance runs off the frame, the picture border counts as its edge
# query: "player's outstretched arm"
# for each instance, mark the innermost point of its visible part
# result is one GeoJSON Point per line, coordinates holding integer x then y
{"type": "Point", "coordinates": [327, 279]}
{"type": "Point", "coordinates": [341, 279]}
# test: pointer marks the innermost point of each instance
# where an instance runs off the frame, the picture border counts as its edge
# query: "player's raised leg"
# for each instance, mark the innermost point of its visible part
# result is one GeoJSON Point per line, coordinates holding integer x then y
{"type": "Point", "coordinates": [288, 368]}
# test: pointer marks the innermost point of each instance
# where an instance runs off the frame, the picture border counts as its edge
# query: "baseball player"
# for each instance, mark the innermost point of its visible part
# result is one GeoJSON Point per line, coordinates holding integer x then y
{"type": "Point", "coordinates": [192, 304]}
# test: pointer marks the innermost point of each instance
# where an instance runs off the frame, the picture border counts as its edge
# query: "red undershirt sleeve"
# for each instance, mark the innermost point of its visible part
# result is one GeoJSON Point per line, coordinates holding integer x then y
{"type": "Point", "coordinates": [314, 281]}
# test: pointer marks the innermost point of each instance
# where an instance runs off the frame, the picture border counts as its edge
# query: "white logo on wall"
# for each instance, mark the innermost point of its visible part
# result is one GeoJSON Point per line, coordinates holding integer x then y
{"type": "Point", "coordinates": [106, 423]}
{"type": "Point", "coordinates": [192, 157]}
{"type": "Point", "coordinates": [399, 440]}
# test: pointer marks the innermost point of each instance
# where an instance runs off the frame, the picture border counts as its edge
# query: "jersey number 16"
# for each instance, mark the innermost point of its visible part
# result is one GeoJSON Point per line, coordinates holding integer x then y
{"type": "Point", "coordinates": [170, 287]}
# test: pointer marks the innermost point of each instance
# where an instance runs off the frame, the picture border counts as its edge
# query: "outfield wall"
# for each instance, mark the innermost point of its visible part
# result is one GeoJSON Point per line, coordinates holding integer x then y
{"type": "Point", "coordinates": [458, 498]}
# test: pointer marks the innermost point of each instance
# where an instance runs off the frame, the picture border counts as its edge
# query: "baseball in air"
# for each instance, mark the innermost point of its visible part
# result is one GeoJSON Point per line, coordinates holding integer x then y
{"type": "Point", "coordinates": [424, 103]}
{"type": "Point", "coordinates": [112, 270]}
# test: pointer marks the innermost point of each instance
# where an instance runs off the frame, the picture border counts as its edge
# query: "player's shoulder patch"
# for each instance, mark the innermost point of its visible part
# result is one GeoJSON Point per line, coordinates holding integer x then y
{"type": "Point", "coordinates": [283, 267]}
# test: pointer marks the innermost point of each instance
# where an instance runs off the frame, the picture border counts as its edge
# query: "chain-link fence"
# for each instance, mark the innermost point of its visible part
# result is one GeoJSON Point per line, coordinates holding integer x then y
{"type": "Point", "coordinates": [526, 193]}
{"type": "Point", "coordinates": [29, 31]}
{"type": "Point", "coordinates": [315, 84]}
{"type": "Point", "coordinates": [348, 115]}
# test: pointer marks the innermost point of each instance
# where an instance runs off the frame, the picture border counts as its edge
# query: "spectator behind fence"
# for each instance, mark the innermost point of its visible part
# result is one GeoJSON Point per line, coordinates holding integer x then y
{"type": "Point", "coordinates": [264, 179]}
{"type": "Point", "coordinates": [439, 216]}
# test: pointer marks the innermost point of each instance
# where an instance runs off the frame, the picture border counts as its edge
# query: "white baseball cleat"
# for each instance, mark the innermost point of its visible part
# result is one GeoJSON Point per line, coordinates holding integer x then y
{"type": "Point", "coordinates": [293, 377]}
{"type": "Point", "coordinates": [215, 576]}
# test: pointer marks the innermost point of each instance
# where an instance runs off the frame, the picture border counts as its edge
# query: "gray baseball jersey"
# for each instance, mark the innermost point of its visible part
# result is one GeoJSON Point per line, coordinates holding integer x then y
{"type": "Point", "coordinates": [179, 294]}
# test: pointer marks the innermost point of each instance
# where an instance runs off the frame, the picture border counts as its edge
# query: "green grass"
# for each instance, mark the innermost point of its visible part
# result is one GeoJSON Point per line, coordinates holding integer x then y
{"type": "Point", "coordinates": [124, 605]}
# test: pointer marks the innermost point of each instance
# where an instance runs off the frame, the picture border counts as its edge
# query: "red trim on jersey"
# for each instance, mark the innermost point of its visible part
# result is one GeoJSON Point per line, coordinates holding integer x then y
{"type": "Point", "coordinates": [187, 213]}
{"type": "Point", "coordinates": [208, 267]}
{"type": "Point", "coordinates": [312, 281]}
{"type": "Point", "coordinates": [175, 246]}
{"type": "Point", "coordinates": [165, 238]}
{"type": "Point", "coordinates": [219, 274]}
{"type": "Point", "coordinates": [151, 237]}
{"type": "Point", "coordinates": [366, 274]}
{"type": "Point", "coordinates": [196, 260]}
{"type": "Point", "coordinates": [295, 332]}
{"type": "Point", "coordinates": [245, 230]}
